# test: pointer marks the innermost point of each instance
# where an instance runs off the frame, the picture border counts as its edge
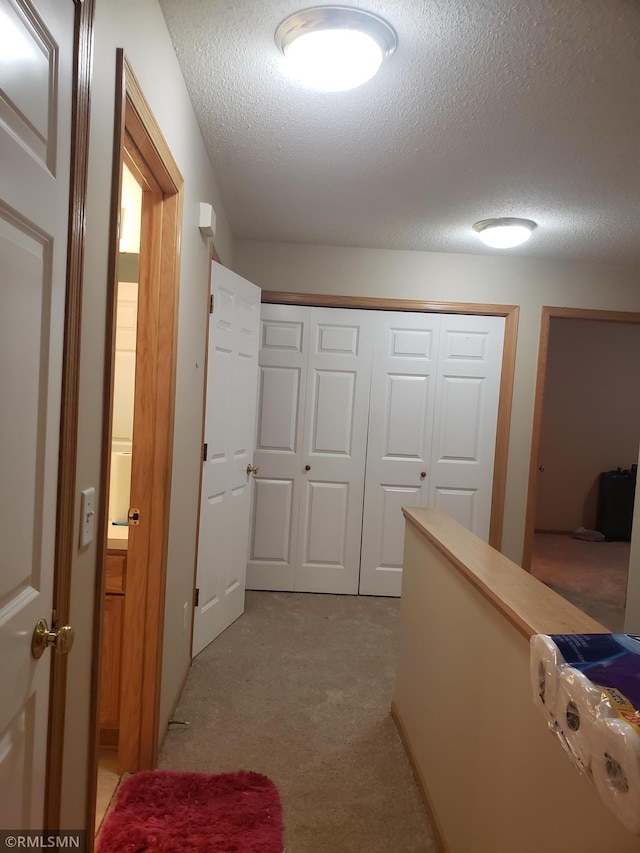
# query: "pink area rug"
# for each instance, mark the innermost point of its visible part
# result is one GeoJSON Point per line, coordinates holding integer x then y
{"type": "Point", "coordinates": [167, 812]}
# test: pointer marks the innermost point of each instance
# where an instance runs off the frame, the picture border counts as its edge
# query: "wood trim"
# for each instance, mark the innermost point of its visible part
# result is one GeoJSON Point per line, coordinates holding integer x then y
{"type": "Point", "coordinates": [142, 476]}
{"type": "Point", "coordinates": [324, 300]}
{"type": "Point", "coordinates": [529, 605]}
{"type": "Point", "coordinates": [592, 314]}
{"type": "Point", "coordinates": [66, 497]}
{"type": "Point", "coordinates": [107, 413]}
{"type": "Point", "coordinates": [511, 314]}
{"type": "Point", "coordinates": [153, 448]}
{"type": "Point", "coordinates": [148, 136]}
{"type": "Point", "coordinates": [139, 140]}
{"type": "Point", "coordinates": [436, 826]}
{"type": "Point", "coordinates": [503, 428]}
{"type": "Point", "coordinates": [169, 283]}
{"type": "Point", "coordinates": [548, 313]}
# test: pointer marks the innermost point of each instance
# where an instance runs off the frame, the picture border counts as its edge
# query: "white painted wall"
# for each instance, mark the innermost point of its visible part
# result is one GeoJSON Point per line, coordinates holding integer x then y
{"type": "Point", "coordinates": [140, 29]}
{"type": "Point", "coordinates": [591, 418]}
{"type": "Point", "coordinates": [434, 276]}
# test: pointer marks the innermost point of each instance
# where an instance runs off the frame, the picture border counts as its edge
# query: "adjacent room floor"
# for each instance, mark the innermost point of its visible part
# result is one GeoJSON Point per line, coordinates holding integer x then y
{"type": "Point", "coordinates": [299, 688]}
{"type": "Point", "coordinates": [108, 780]}
{"type": "Point", "coordinates": [592, 575]}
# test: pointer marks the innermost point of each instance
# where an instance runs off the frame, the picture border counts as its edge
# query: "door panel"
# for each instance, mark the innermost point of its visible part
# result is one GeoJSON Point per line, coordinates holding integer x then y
{"type": "Point", "coordinates": [230, 419]}
{"type": "Point", "coordinates": [336, 418]}
{"type": "Point", "coordinates": [399, 441]}
{"type": "Point", "coordinates": [460, 504]}
{"type": "Point", "coordinates": [325, 525]}
{"type": "Point", "coordinates": [461, 471]}
{"type": "Point", "coordinates": [35, 132]}
{"type": "Point", "coordinates": [271, 533]}
{"type": "Point", "coordinates": [459, 433]}
{"type": "Point", "coordinates": [332, 415]}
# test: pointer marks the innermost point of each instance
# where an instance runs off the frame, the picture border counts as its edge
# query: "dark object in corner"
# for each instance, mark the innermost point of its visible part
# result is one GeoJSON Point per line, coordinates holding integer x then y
{"type": "Point", "coordinates": [616, 494]}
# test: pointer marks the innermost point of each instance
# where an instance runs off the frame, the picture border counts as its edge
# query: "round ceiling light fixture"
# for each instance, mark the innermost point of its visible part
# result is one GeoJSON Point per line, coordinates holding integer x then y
{"type": "Point", "coordinates": [335, 48]}
{"type": "Point", "coordinates": [504, 233]}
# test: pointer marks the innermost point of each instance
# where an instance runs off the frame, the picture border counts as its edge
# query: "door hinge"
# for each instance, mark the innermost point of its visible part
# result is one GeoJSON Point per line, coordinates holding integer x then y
{"type": "Point", "coordinates": [204, 453]}
{"type": "Point", "coordinates": [211, 304]}
{"type": "Point", "coordinates": [196, 600]}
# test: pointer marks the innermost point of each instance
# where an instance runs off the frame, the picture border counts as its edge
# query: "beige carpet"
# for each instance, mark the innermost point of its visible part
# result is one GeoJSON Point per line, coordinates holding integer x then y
{"type": "Point", "coordinates": [592, 575]}
{"type": "Point", "coordinates": [299, 689]}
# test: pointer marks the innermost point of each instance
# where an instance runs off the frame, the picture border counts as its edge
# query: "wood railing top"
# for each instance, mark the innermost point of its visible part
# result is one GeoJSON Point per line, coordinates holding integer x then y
{"type": "Point", "coordinates": [526, 602]}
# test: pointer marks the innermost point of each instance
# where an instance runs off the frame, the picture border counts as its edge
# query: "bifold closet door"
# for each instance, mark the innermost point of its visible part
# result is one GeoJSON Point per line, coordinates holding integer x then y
{"type": "Point", "coordinates": [313, 408]}
{"type": "Point", "coordinates": [466, 417]}
{"type": "Point", "coordinates": [432, 431]}
{"type": "Point", "coordinates": [282, 383]}
{"type": "Point", "coordinates": [403, 389]}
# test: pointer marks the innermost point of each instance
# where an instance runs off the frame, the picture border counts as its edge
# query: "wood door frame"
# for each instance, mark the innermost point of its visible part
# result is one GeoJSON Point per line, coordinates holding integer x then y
{"type": "Point", "coordinates": [139, 139]}
{"type": "Point", "coordinates": [511, 315]}
{"type": "Point", "coordinates": [550, 312]}
{"type": "Point", "coordinates": [66, 497]}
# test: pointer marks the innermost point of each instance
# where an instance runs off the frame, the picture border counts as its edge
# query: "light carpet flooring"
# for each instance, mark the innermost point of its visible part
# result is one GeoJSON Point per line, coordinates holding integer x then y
{"type": "Point", "coordinates": [592, 575]}
{"type": "Point", "coordinates": [299, 688]}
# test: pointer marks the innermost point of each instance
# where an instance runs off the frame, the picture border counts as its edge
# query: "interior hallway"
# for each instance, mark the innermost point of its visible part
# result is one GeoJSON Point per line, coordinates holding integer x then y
{"type": "Point", "coordinates": [592, 575]}
{"type": "Point", "coordinates": [299, 689]}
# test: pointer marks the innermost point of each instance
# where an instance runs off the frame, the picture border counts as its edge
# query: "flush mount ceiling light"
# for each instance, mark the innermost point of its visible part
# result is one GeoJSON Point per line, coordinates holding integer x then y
{"type": "Point", "coordinates": [504, 233]}
{"type": "Point", "coordinates": [335, 48]}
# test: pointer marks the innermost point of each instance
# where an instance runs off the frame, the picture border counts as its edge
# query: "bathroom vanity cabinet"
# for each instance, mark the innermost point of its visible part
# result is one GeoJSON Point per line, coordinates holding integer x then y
{"type": "Point", "coordinates": [110, 676]}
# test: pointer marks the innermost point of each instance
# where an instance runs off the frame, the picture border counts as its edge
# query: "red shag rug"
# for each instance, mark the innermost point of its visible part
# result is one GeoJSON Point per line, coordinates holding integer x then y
{"type": "Point", "coordinates": [168, 812]}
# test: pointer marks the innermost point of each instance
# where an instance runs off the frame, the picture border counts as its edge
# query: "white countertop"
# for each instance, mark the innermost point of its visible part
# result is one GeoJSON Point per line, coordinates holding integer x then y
{"type": "Point", "coordinates": [118, 537]}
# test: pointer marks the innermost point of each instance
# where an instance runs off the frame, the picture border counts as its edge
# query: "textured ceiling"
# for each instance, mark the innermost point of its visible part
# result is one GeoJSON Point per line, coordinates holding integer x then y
{"type": "Point", "coordinates": [488, 108]}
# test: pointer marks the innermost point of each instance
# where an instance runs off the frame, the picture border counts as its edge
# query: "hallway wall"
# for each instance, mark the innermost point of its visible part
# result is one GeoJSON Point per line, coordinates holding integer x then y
{"type": "Point", "coordinates": [140, 29]}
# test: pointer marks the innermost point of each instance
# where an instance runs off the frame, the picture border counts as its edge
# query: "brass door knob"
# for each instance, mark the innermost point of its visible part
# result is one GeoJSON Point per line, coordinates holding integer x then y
{"type": "Point", "coordinates": [61, 639]}
{"type": "Point", "coordinates": [253, 469]}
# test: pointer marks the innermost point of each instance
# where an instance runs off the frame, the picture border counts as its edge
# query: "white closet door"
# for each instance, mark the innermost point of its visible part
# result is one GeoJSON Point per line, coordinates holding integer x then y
{"type": "Point", "coordinates": [399, 441]}
{"type": "Point", "coordinates": [469, 368]}
{"type": "Point", "coordinates": [284, 344]}
{"type": "Point", "coordinates": [335, 438]}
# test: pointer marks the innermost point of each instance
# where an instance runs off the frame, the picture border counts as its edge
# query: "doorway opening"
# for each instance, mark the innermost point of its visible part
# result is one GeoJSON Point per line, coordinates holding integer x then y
{"type": "Point", "coordinates": [586, 423]}
{"type": "Point", "coordinates": [139, 394]}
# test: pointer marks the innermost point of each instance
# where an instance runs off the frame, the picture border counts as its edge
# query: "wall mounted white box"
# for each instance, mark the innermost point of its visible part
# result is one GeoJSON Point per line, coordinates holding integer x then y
{"type": "Point", "coordinates": [207, 222]}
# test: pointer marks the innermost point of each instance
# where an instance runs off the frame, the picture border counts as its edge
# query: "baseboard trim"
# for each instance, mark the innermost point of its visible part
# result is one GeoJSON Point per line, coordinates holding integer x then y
{"type": "Point", "coordinates": [174, 705]}
{"type": "Point", "coordinates": [420, 781]}
{"type": "Point", "coordinates": [554, 532]}
{"type": "Point", "coordinates": [109, 737]}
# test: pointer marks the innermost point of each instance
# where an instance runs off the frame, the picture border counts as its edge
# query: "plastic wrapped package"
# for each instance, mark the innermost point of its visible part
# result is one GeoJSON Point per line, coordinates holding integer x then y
{"type": "Point", "coordinates": [587, 687]}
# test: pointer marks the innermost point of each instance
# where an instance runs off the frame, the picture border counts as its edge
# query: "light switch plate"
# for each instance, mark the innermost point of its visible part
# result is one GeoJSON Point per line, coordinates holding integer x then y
{"type": "Point", "coordinates": [87, 516]}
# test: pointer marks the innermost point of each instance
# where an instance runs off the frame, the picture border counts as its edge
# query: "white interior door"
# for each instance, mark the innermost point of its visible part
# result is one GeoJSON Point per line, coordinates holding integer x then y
{"type": "Point", "coordinates": [35, 133]}
{"type": "Point", "coordinates": [464, 435]}
{"type": "Point", "coordinates": [230, 421]}
{"type": "Point", "coordinates": [399, 441]}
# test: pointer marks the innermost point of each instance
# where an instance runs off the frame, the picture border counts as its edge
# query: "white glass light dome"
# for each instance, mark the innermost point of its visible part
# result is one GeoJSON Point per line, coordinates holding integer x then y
{"type": "Point", "coordinates": [334, 48]}
{"type": "Point", "coordinates": [504, 233]}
